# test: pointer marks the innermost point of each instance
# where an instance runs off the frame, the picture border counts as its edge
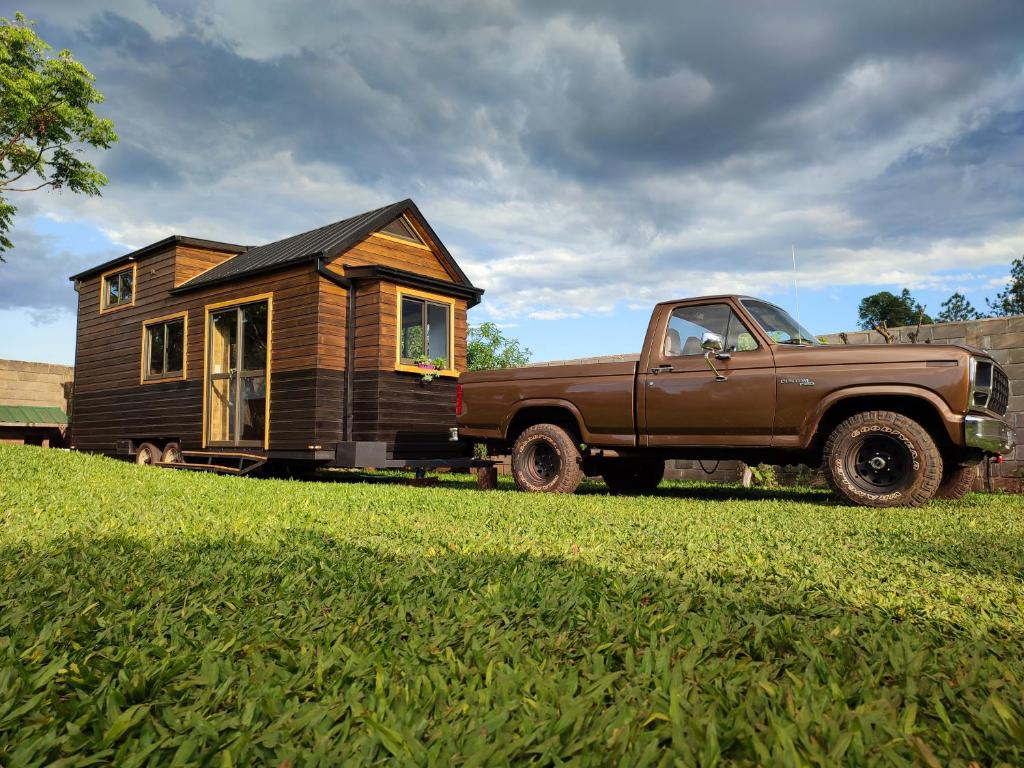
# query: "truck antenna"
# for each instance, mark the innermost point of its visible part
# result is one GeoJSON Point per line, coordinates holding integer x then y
{"type": "Point", "coordinates": [796, 288]}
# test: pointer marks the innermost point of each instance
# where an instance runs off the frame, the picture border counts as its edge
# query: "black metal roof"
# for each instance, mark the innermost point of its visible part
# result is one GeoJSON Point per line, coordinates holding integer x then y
{"type": "Point", "coordinates": [160, 245]}
{"type": "Point", "coordinates": [324, 242]}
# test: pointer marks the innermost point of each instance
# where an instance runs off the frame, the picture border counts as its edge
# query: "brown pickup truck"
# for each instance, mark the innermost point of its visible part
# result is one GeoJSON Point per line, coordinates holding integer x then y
{"type": "Point", "coordinates": [734, 377]}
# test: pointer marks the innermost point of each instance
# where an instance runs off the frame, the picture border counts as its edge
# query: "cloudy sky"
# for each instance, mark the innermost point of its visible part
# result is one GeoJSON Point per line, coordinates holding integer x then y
{"type": "Point", "coordinates": [582, 160]}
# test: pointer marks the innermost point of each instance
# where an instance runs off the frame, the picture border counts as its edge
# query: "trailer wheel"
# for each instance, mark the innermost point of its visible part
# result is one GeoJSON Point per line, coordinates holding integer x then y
{"type": "Point", "coordinates": [882, 459]}
{"type": "Point", "coordinates": [957, 481]}
{"type": "Point", "coordinates": [147, 453]}
{"type": "Point", "coordinates": [172, 454]}
{"type": "Point", "coordinates": [546, 459]}
{"type": "Point", "coordinates": [633, 475]}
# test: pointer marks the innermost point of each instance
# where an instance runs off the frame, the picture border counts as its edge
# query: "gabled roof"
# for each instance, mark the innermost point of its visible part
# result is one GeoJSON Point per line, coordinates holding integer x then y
{"type": "Point", "coordinates": [324, 242]}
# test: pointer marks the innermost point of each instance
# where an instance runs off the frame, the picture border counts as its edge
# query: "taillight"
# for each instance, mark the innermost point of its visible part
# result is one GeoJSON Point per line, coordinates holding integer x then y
{"type": "Point", "coordinates": [458, 399]}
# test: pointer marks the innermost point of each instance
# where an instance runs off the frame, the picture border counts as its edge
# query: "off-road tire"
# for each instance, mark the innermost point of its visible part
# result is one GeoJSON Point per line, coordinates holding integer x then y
{"type": "Point", "coordinates": [957, 481]}
{"type": "Point", "coordinates": [907, 469]}
{"type": "Point", "coordinates": [546, 459]}
{"type": "Point", "coordinates": [147, 453]}
{"type": "Point", "coordinates": [628, 476]}
{"type": "Point", "coordinates": [171, 454]}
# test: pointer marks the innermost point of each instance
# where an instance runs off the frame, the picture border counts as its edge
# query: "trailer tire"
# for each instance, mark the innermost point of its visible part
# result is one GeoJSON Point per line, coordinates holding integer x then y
{"type": "Point", "coordinates": [147, 453]}
{"type": "Point", "coordinates": [882, 459]}
{"type": "Point", "coordinates": [546, 459]}
{"type": "Point", "coordinates": [628, 476]}
{"type": "Point", "coordinates": [957, 481]}
{"type": "Point", "coordinates": [171, 454]}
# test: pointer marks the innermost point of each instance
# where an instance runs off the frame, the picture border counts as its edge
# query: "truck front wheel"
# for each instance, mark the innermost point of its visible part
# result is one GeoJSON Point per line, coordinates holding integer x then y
{"type": "Point", "coordinates": [546, 459]}
{"type": "Point", "coordinates": [633, 475]}
{"type": "Point", "coordinates": [882, 459]}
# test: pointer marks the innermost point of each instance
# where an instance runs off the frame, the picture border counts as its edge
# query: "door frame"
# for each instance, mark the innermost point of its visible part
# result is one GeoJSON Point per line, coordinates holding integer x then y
{"type": "Point", "coordinates": [651, 356]}
{"type": "Point", "coordinates": [208, 310]}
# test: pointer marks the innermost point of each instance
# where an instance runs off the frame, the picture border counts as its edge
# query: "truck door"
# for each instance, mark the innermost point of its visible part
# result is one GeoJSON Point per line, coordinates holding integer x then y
{"type": "Point", "coordinates": [684, 403]}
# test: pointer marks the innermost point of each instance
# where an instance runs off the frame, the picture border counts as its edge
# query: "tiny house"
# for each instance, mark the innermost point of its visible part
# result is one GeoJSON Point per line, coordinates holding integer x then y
{"type": "Point", "coordinates": [341, 345]}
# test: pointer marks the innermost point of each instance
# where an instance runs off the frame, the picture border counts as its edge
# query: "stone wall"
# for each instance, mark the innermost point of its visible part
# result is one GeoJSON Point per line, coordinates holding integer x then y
{"type": "Point", "coordinates": [24, 383]}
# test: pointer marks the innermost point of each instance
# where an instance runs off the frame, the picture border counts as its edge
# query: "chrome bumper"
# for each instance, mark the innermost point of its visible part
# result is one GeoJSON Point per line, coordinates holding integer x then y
{"type": "Point", "coordinates": [988, 434]}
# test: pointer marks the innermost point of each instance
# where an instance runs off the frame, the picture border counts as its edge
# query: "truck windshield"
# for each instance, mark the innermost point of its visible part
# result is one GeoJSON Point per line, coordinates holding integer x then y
{"type": "Point", "coordinates": [778, 324]}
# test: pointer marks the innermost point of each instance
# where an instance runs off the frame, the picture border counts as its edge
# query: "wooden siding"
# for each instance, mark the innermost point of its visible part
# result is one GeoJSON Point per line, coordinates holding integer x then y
{"type": "Point", "coordinates": [107, 362]}
{"type": "Point", "coordinates": [307, 398]}
{"type": "Point", "coordinates": [191, 261]}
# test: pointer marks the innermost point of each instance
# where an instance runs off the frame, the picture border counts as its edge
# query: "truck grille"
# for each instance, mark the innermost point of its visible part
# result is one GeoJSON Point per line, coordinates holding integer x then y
{"type": "Point", "coordinates": [1000, 396]}
{"type": "Point", "coordinates": [990, 388]}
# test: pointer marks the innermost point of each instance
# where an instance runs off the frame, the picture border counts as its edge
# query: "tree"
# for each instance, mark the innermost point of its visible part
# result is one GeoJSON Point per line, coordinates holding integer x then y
{"type": "Point", "coordinates": [45, 118]}
{"type": "Point", "coordinates": [957, 309]}
{"type": "Point", "coordinates": [891, 311]}
{"type": "Point", "coordinates": [1011, 301]}
{"type": "Point", "coordinates": [488, 348]}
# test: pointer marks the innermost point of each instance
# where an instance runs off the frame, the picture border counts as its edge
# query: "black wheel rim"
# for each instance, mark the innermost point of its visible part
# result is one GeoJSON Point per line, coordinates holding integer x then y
{"type": "Point", "coordinates": [542, 462]}
{"type": "Point", "coordinates": [879, 464]}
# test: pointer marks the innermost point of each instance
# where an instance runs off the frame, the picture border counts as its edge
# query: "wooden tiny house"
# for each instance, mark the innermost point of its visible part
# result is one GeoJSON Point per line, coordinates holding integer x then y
{"type": "Point", "coordinates": [311, 347]}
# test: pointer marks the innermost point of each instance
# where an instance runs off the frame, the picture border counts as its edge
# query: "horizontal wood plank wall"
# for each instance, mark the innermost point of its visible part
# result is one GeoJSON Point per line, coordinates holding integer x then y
{"type": "Point", "coordinates": [389, 252]}
{"type": "Point", "coordinates": [191, 261]}
{"type": "Point", "coordinates": [115, 406]}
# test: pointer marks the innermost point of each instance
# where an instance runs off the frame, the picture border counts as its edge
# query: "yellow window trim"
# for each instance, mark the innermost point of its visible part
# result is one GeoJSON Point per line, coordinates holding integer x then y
{"type": "Point", "coordinates": [450, 302]}
{"type": "Point", "coordinates": [143, 379]}
{"type": "Point", "coordinates": [103, 287]}
{"type": "Point", "coordinates": [269, 298]}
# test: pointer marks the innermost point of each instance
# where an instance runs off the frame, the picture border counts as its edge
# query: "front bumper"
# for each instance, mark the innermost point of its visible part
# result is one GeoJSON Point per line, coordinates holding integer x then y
{"type": "Point", "coordinates": [988, 434]}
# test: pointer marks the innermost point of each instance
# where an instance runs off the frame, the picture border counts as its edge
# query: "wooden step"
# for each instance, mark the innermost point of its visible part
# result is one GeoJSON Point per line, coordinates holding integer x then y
{"type": "Point", "coordinates": [226, 455]}
{"type": "Point", "coordinates": [199, 467]}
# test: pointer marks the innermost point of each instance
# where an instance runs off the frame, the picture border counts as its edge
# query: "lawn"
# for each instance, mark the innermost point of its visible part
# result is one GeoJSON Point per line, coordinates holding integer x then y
{"type": "Point", "coordinates": [151, 617]}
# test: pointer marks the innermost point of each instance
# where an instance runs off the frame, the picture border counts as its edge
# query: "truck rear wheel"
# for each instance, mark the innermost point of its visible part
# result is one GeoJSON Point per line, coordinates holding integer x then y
{"type": "Point", "coordinates": [546, 459]}
{"type": "Point", "coordinates": [957, 481]}
{"type": "Point", "coordinates": [633, 475]}
{"type": "Point", "coordinates": [882, 459]}
{"type": "Point", "coordinates": [147, 453]}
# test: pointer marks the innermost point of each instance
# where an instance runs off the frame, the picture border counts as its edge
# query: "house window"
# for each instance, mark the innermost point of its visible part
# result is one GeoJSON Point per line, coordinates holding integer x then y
{"type": "Point", "coordinates": [401, 227]}
{"type": "Point", "coordinates": [425, 331]}
{"type": "Point", "coordinates": [118, 288]}
{"type": "Point", "coordinates": [163, 348]}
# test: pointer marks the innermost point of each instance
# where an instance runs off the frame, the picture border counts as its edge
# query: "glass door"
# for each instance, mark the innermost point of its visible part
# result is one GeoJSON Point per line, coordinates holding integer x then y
{"type": "Point", "coordinates": [237, 375]}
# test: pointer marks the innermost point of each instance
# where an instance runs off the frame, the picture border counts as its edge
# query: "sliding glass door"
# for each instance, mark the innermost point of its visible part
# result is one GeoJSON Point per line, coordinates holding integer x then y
{"type": "Point", "coordinates": [238, 349]}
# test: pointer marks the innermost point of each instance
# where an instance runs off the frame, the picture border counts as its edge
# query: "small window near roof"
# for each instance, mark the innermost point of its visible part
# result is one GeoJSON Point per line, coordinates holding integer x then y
{"type": "Point", "coordinates": [164, 349]}
{"type": "Point", "coordinates": [119, 288]}
{"type": "Point", "coordinates": [401, 227]}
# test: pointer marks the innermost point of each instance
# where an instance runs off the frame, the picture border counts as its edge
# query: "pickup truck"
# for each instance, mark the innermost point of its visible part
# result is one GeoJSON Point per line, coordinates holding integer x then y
{"type": "Point", "coordinates": [735, 377]}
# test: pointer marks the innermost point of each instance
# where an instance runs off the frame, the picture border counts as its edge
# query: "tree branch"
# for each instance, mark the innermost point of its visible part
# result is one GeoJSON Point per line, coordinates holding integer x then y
{"type": "Point", "coordinates": [29, 189]}
{"type": "Point", "coordinates": [39, 156]}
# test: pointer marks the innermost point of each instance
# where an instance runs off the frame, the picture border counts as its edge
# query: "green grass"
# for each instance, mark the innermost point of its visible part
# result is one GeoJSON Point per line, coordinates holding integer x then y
{"type": "Point", "coordinates": [150, 617]}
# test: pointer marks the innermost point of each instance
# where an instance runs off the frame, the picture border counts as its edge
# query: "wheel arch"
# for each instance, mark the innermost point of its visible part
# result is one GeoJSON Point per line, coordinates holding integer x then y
{"type": "Point", "coordinates": [923, 406]}
{"type": "Point", "coordinates": [548, 411]}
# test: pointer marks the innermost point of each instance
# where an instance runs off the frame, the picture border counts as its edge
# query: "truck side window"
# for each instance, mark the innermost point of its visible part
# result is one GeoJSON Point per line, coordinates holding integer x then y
{"type": "Point", "coordinates": [688, 324]}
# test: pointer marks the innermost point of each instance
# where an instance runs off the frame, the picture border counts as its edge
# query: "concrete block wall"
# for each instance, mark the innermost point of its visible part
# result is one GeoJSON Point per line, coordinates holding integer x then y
{"type": "Point", "coordinates": [44, 384]}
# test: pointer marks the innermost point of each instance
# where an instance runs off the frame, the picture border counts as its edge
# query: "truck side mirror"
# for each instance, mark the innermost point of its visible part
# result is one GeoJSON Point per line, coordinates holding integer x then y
{"type": "Point", "coordinates": [711, 342]}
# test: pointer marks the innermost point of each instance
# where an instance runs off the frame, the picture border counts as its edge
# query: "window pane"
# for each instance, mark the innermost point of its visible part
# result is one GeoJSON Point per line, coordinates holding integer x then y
{"type": "Point", "coordinates": [113, 290]}
{"type": "Point", "coordinates": [126, 287]}
{"type": "Point", "coordinates": [437, 332]}
{"type": "Point", "coordinates": [254, 335]}
{"type": "Point", "coordinates": [688, 325]}
{"type": "Point", "coordinates": [175, 333]}
{"type": "Point", "coordinates": [401, 228]}
{"type": "Point", "coordinates": [156, 349]}
{"type": "Point", "coordinates": [254, 407]}
{"type": "Point", "coordinates": [412, 329]}
{"type": "Point", "coordinates": [223, 330]}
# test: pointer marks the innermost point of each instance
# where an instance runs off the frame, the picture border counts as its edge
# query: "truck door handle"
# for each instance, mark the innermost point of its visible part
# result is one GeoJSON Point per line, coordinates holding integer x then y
{"type": "Point", "coordinates": [662, 369]}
